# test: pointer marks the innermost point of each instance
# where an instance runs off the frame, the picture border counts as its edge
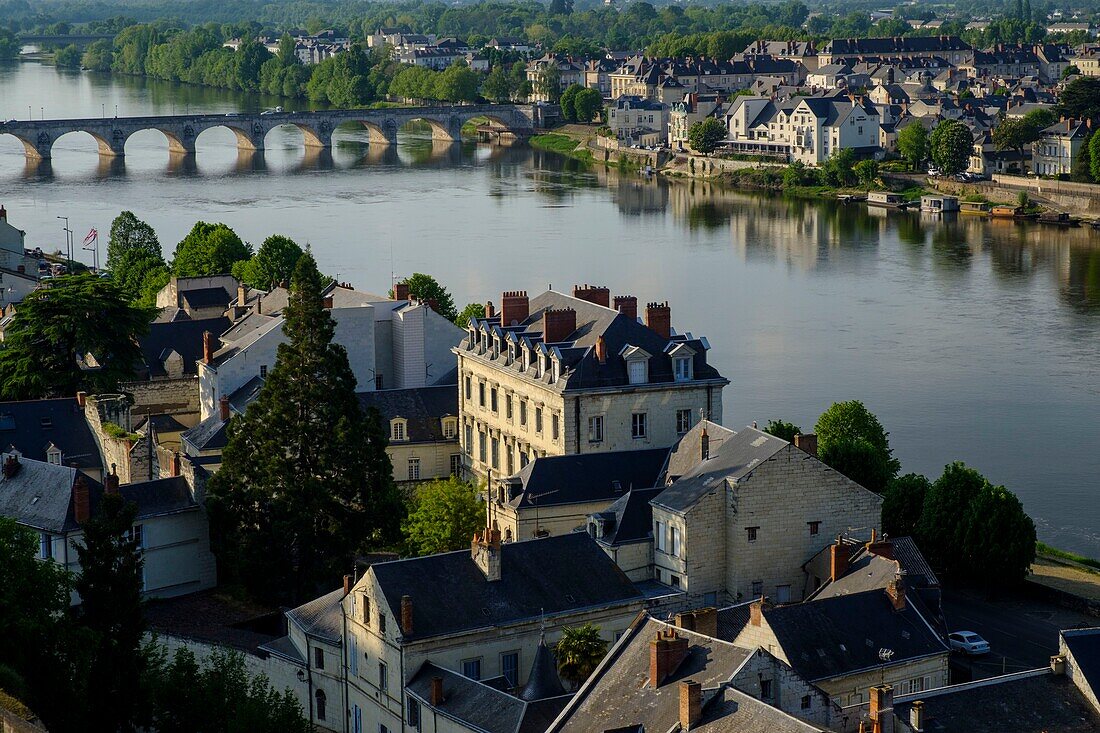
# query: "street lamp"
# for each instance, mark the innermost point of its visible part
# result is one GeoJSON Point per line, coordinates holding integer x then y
{"type": "Point", "coordinates": [68, 241]}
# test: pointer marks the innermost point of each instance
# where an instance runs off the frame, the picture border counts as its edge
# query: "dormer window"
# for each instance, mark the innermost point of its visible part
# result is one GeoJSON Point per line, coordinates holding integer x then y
{"type": "Point", "coordinates": [525, 357]}
{"type": "Point", "coordinates": [496, 346]}
{"type": "Point", "coordinates": [399, 430]}
{"type": "Point", "coordinates": [53, 455]}
{"type": "Point", "coordinates": [637, 370]}
{"type": "Point", "coordinates": [556, 374]}
{"type": "Point", "coordinates": [511, 354]}
{"type": "Point", "coordinates": [682, 368]}
{"type": "Point", "coordinates": [540, 366]}
{"type": "Point", "coordinates": [450, 428]}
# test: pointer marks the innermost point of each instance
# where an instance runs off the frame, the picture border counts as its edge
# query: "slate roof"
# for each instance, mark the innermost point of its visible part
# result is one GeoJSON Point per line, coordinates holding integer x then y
{"type": "Point", "coordinates": [895, 45]}
{"type": "Point", "coordinates": [156, 497]}
{"type": "Point", "coordinates": [1084, 644]}
{"type": "Point", "coordinates": [423, 408]}
{"type": "Point", "coordinates": [587, 477]}
{"type": "Point", "coordinates": [206, 298]}
{"type": "Point", "coordinates": [183, 337]}
{"type": "Point", "coordinates": [632, 516]}
{"type": "Point", "coordinates": [543, 681]}
{"type": "Point", "coordinates": [322, 617]}
{"type": "Point", "coordinates": [32, 425]}
{"type": "Point", "coordinates": [732, 619]}
{"type": "Point", "coordinates": [207, 435]}
{"type": "Point", "coordinates": [160, 424]}
{"type": "Point", "coordinates": [1039, 704]}
{"type": "Point", "coordinates": [450, 594]}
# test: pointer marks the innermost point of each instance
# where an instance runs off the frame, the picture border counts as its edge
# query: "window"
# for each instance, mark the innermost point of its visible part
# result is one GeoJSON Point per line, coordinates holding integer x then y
{"type": "Point", "coordinates": [413, 715]}
{"type": "Point", "coordinates": [496, 453]}
{"type": "Point", "coordinates": [414, 469]}
{"type": "Point", "coordinates": [263, 371]}
{"type": "Point", "coordinates": [757, 588]}
{"type": "Point", "coordinates": [321, 700]}
{"type": "Point", "coordinates": [470, 439]}
{"type": "Point", "coordinates": [493, 399]}
{"type": "Point", "coordinates": [509, 667]}
{"type": "Point", "coordinates": [523, 459]}
{"type": "Point", "coordinates": [659, 535]}
{"type": "Point", "coordinates": [353, 663]}
{"type": "Point", "coordinates": [456, 464]}
{"type": "Point", "coordinates": [523, 412]}
{"type": "Point", "coordinates": [378, 381]}
{"type": "Point", "coordinates": [815, 527]}
{"type": "Point", "coordinates": [751, 533]}
{"type": "Point", "coordinates": [657, 574]}
{"type": "Point", "coordinates": [538, 419]}
{"type": "Point", "coordinates": [397, 430]}
{"type": "Point", "coordinates": [356, 719]}
{"type": "Point", "coordinates": [318, 658]}
{"type": "Point", "coordinates": [381, 623]}
{"type": "Point", "coordinates": [637, 371]}
{"type": "Point", "coordinates": [53, 455]}
{"type": "Point", "coordinates": [683, 421]}
{"type": "Point", "coordinates": [554, 429]}
{"type": "Point", "coordinates": [383, 677]}
{"type": "Point", "coordinates": [482, 448]}
{"type": "Point", "coordinates": [675, 541]}
{"type": "Point", "coordinates": [468, 386]}
{"type": "Point", "coordinates": [556, 374]}
{"type": "Point", "coordinates": [765, 689]}
{"type": "Point", "coordinates": [44, 546]}
{"type": "Point", "coordinates": [450, 428]}
{"type": "Point", "coordinates": [783, 594]}
{"type": "Point", "coordinates": [366, 610]}
{"type": "Point", "coordinates": [510, 459]}
{"type": "Point", "coordinates": [481, 393]}
{"type": "Point", "coordinates": [674, 580]}
{"type": "Point", "coordinates": [682, 366]}
{"type": "Point", "coordinates": [472, 668]}
{"type": "Point", "coordinates": [807, 702]}
{"type": "Point", "coordinates": [595, 429]}
{"type": "Point", "coordinates": [638, 425]}
{"type": "Point", "coordinates": [508, 406]}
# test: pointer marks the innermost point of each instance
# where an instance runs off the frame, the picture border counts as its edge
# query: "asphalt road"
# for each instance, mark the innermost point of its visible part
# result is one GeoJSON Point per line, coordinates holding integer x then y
{"type": "Point", "coordinates": [1022, 633]}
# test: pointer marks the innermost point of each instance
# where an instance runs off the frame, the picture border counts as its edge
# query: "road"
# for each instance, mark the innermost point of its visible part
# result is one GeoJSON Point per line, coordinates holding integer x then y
{"type": "Point", "coordinates": [1022, 632]}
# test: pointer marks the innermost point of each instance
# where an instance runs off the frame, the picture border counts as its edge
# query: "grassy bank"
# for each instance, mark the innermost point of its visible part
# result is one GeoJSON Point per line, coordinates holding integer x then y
{"type": "Point", "coordinates": [562, 145]}
{"type": "Point", "coordinates": [1044, 549]}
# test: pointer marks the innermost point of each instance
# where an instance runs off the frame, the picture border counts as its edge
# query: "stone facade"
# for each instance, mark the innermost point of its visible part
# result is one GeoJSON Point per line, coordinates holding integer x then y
{"type": "Point", "coordinates": [176, 396]}
{"type": "Point", "coordinates": [130, 455]}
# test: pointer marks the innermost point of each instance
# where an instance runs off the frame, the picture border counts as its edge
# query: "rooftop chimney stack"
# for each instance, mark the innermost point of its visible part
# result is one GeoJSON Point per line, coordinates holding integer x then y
{"type": "Point", "coordinates": [82, 506]}
{"type": "Point", "coordinates": [916, 716]}
{"type": "Point", "coordinates": [110, 481]}
{"type": "Point", "coordinates": [223, 408]}
{"type": "Point", "coordinates": [627, 305]}
{"type": "Point", "coordinates": [11, 465]}
{"type": "Point", "coordinates": [666, 652]}
{"type": "Point", "coordinates": [598, 294]}
{"type": "Point", "coordinates": [207, 347]}
{"type": "Point", "coordinates": [326, 302]}
{"type": "Point", "coordinates": [691, 704]}
{"type": "Point", "coordinates": [349, 582]}
{"type": "Point", "coordinates": [514, 307]}
{"type": "Point", "coordinates": [838, 559]}
{"type": "Point", "coordinates": [756, 611]}
{"type": "Point", "coordinates": [895, 589]}
{"type": "Point", "coordinates": [490, 311]}
{"type": "Point", "coordinates": [3, 213]}
{"type": "Point", "coordinates": [406, 615]}
{"type": "Point", "coordinates": [881, 709]}
{"type": "Point", "coordinates": [601, 349]}
{"type": "Point", "coordinates": [704, 444]}
{"type": "Point", "coordinates": [658, 316]}
{"type": "Point", "coordinates": [81, 399]}
{"type": "Point", "coordinates": [558, 324]}
{"type": "Point", "coordinates": [806, 443]}
{"type": "Point", "coordinates": [485, 551]}
{"type": "Point", "coordinates": [242, 295]}
{"type": "Point", "coordinates": [437, 692]}
{"type": "Point", "coordinates": [401, 291]}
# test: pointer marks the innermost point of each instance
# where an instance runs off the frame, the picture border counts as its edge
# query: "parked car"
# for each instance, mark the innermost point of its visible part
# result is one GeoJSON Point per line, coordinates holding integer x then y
{"type": "Point", "coordinates": [968, 642]}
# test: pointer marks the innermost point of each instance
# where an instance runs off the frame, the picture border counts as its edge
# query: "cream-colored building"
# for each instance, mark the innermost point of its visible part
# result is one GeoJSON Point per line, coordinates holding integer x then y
{"type": "Point", "coordinates": [556, 375]}
{"type": "Point", "coordinates": [423, 430]}
{"type": "Point", "coordinates": [1059, 147]}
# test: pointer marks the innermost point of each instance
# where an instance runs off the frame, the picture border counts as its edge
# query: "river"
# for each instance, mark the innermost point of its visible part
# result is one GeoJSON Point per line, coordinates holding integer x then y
{"type": "Point", "coordinates": [971, 340]}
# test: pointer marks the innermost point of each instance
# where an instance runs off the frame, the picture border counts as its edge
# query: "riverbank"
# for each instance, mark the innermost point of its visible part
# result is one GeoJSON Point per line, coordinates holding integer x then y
{"type": "Point", "coordinates": [562, 144]}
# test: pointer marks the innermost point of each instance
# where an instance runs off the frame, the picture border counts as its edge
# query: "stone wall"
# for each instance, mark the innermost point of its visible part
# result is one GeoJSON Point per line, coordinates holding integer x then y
{"type": "Point", "coordinates": [131, 459]}
{"type": "Point", "coordinates": [789, 690]}
{"type": "Point", "coordinates": [178, 397]}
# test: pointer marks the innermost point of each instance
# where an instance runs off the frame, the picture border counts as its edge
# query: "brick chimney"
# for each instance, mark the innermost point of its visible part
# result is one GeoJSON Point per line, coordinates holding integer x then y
{"type": "Point", "coordinates": [806, 443]}
{"type": "Point", "coordinates": [174, 469]}
{"type": "Point", "coordinates": [701, 620]}
{"type": "Point", "coordinates": [82, 506]}
{"type": "Point", "coordinates": [349, 581]}
{"type": "Point", "coordinates": [406, 615]}
{"type": "Point", "coordinates": [627, 305]}
{"type": "Point", "coordinates": [514, 307]}
{"type": "Point", "coordinates": [110, 482]}
{"type": "Point", "coordinates": [916, 716]}
{"type": "Point", "coordinates": [81, 398]}
{"type": "Point", "coordinates": [436, 698]}
{"type": "Point", "coordinates": [895, 590]}
{"type": "Point", "coordinates": [691, 704]}
{"type": "Point", "coordinates": [601, 349]}
{"type": "Point", "coordinates": [704, 444]}
{"type": "Point", "coordinates": [490, 311]}
{"type": "Point", "coordinates": [838, 559]}
{"type": "Point", "coordinates": [598, 294]}
{"type": "Point", "coordinates": [401, 291]}
{"type": "Point", "coordinates": [756, 611]}
{"type": "Point", "coordinates": [11, 465]}
{"type": "Point", "coordinates": [485, 551]}
{"type": "Point", "coordinates": [223, 408]}
{"type": "Point", "coordinates": [658, 316]}
{"type": "Point", "coordinates": [557, 324]}
{"type": "Point", "coordinates": [3, 213]}
{"type": "Point", "coordinates": [207, 347]}
{"type": "Point", "coordinates": [326, 302]}
{"type": "Point", "coordinates": [666, 652]}
{"type": "Point", "coordinates": [881, 709]}
{"type": "Point", "coordinates": [242, 295]}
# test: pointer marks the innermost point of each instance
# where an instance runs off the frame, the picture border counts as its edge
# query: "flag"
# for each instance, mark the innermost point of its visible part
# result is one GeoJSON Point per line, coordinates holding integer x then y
{"type": "Point", "coordinates": [91, 240]}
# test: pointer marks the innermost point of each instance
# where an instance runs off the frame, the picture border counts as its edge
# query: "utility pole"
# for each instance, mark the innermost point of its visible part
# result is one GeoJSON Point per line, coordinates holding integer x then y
{"type": "Point", "coordinates": [68, 242]}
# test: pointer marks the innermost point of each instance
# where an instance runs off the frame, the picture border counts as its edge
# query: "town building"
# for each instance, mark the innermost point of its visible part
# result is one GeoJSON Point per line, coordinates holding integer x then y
{"type": "Point", "coordinates": [559, 374]}
{"type": "Point", "coordinates": [1059, 146]}
{"type": "Point", "coordinates": [52, 431]}
{"type": "Point", "coordinates": [196, 298]}
{"type": "Point", "coordinates": [951, 48]}
{"type": "Point", "coordinates": [422, 423]}
{"type": "Point", "coordinates": [637, 120]}
{"type": "Point", "coordinates": [685, 113]}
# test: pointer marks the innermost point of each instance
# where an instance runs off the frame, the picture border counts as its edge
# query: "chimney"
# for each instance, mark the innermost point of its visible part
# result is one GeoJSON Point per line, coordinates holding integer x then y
{"type": "Point", "coordinates": [806, 443]}
{"type": "Point", "coordinates": [349, 581]}
{"type": "Point", "coordinates": [666, 652]}
{"type": "Point", "coordinates": [11, 465]}
{"type": "Point", "coordinates": [433, 304]}
{"type": "Point", "coordinates": [895, 589]}
{"type": "Point", "coordinates": [485, 551]}
{"type": "Point", "coordinates": [601, 349]}
{"type": "Point", "coordinates": [82, 507]}
{"type": "Point", "coordinates": [223, 408]}
{"type": "Point", "coordinates": [557, 324]}
{"type": "Point", "coordinates": [756, 611]}
{"type": "Point", "coordinates": [627, 305]}
{"type": "Point", "coordinates": [401, 291]}
{"type": "Point", "coordinates": [437, 692]}
{"type": "Point", "coordinates": [881, 709]}
{"type": "Point", "coordinates": [838, 559]}
{"type": "Point", "coordinates": [658, 316]}
{"type": "Point", "coordinates": [81, 399]}
{"type": "Point", "coordinates": [406, 615]}
{"type": "Point", "coordinates": [207, 347]}
{"type": "Point", "coordinates": [490, 311]}
{"type": "Point", "coordinates": [514, 307]}
{"type": "Point", "coordinates": [3, 213]}
{"type": "Point", "coordinates": [175, 465]}
{"type": "Point", "coordinates": [110, 481]}
{"type": "Point", "coordinates": [702, 621]}
{"type": "Point", "coordinates": [691, 704]}
{"type": "Point", "coordinates": [916, 716]}
{"type": "Point", "coordinates": [1058, 665]}
{"type": "Point", "coordinates": [597, 294]}
{"type": "Point", "coordinates": [704, 444]}
{"type": "Point", "coordinates": [242, 295]}
{"type": "Point", "coordinates": [326, 302]}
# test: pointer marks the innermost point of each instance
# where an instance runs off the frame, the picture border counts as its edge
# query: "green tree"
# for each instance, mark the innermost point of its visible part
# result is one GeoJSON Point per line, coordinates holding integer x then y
{"type": "Point", "coordinates": [579, 652]}
{"type": "Point", "coordinates": [457, 83]}
{"type": "Point", "coordinates": [866, 171]}
{"type": "Point", "coordinates": [472, 310]}
{"type": "Point", "coordinates": [521, 85]}
{"type": "Point", "coordinates": [782, 429]}
{"type": "Point", "coordinates": [1000, 538]}
{"type": "Point", "coordinates": [1015, 133]}
{"type": "Point", "coordinates": [839, 169]}
{"type": "Point", "coordinates": [289, 510]}
{"type": "Point", "coordinates": [548, 82]}
{"type": "Point", "coordinates": [497, 85]}
{"type": "Point", "coordinates": [99, 55]}
{"type": "Point", "coordinates": [913, 144]}
{"type": "Point", "coordinates": [588, 104]}
{"type": "Point", "coordinates": [273, 263]}
{"type": "Point", "coordinates": [288, 53]}
{"type": "Point", "coordinates": [951, 144]}
{"type": "Point", "coordinates": [566, 102]}
{"type": "Point", "coordinates": [444, 515]}
{"type": "Point", "coordinates": [1094, 156]}
{"type": "Point", "coordinates": [903, 504]}
{"type": "Point", "coordinates": [704, 136]}
{"type": "Point", "coordinates": [9, 46]}
{"type": "Point", "coordinates": [1070, 71]}
{"type": "Point", "coordinates": [1082, 166]}
{"type": "Point", "coordinates": [109, 585]}
{"type": "Point", "coordinates": [209, 249]}
{"type": "Point", "coordinates": [1080, 99]}
{"type": "Point", "coordinates": [68, 57]}
{"type": "Point", "coordinates": [852, 440]}
{"type": "Point", "coordinates": [427, 288]}
{"type": "Point", "coordinates": [60, 323]}
{"type": "Point", "coordinates": [133, 250]}
{"type": "Point", "coordinates": [945, 517]}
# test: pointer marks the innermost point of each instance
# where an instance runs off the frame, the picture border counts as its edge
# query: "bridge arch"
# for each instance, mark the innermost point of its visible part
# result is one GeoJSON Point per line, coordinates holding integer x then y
{"type": "Point", "coordinates": [443, 130]}
{"type": "Point", "coordinates": [109, 143]}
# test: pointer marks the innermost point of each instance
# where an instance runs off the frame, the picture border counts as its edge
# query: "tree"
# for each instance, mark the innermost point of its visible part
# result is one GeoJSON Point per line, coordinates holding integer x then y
{"type": "Point", "coordinates": [1082, 166]}
{"type": "Point", "coordinates": [444, 515]}
{"type": "Point", "coordinates": [1070, 71]}
{"type": "Point", "coordinates": [99, 55]}
{"type": "Point", "coordinates": [839, 169]}
{"type": "Point", "coordinates": [588, 103]}
{"type": "Point", "coordinates": [945, 517]}
{"type": "Point", "coordinates": [1000, 538]}
{"type": "Point", "coordinates": [782, 429]}
{"type": "Point", "coordinates": [548, 82]}
{"type": "Point", "coordinates": [1080, 99]}
{"type": "Point", "coordinates": [1015, 133]}
{"type": "Point", "coordinates": [866, 171]}
{"type": "Point", "coordinates": [457, 83]}
{"type": "Point", "coordinates": [913, 144]}
{"type": "Point", "coordinates": [109, 585]}
{"type": "Point", "coordinates": [497, 86]}
{"type": "Point", "coordinates": [567, 102]}
{"type": "Point", "coordinates": [68, 57]}
{"type": "Point", "coordinates": [209, 249]}
{"type": "Point", "coordinates": [579, 651]}
{"type": "Point", "coordinates": [851, 440]}
{"type": "Point", "coordinates": [903, 503]}
{"type": "Point", "coordinates": [132, 252]}
{"type": "Point", "coordinates": [60, 323]}
{"type": "Point", "coordinates": [860, 461]}
{"type": "Point", "coordinates": [560, 7]}
{"type": "Point", "coordinates": [1094, 156]}
{"type": "Point", "coordinates": [471, 311]}
{"type": "Point", "coordinates": [273, 263]}
{"type": "Point", "coordinates": [705, 135]}
{"type": "Point", "coordinates": [288, 52]}
{"type": "Point", "coordinates": [427, 288]}
{"type": "Point", "coordinates": [951, 144]}
{"type": "Point", "coordinates": [290, 508]}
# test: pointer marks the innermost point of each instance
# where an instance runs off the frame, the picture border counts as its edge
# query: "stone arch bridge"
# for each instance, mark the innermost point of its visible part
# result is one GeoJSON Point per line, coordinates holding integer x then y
{"type": "Point", "coordinates": [446, 121]}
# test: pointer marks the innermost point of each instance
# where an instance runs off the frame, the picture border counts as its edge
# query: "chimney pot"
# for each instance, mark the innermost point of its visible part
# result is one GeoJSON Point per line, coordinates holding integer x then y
{"type": "Point", "coordinates": [81, 399]}
{"type": "Point", "coordinates": [437, 692]}
{"type": "Point", "coordinates": [349, 581]}
{"type": "Point", "coordinates": [601, 349]}
{"type": "Point", "coordinates": [490, 311]}
{"type": "Point", "coordinates": [207, 347]}
{"type": "Point", "coordinates": [514, 307]}
{"type": "Point", "coordinates": [82, 508]}
{"type": "Point", "coordinates": [806, 443]}
{"type": "Point", "coordinates": [407, 615]}
{"type": "Point", "coordinates": [401, 291]}
{"type": "Point", "coordinates": [597, 294]}
{"type": "Point", "coordinates": [558, 324]}
{"type": "Point", "coordinates": [838, 559]}
{"type": "Point", "coordinates": [691, 704]}
{"type": "Point", "coordinates": [223, 408]}
{"type": "Point", "coordinates": [658, 316]}
{"type": "Point", "coordinates": [627, 305]}
{"type": "Point", "coordinates": [110, 482]}
{"type": "Point", "coordinates": [666, 652]}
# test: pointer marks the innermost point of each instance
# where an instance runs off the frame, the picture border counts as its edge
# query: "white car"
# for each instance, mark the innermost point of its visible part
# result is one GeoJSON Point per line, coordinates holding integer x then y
{"type": "Point", "coordinates": [968, 642]}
